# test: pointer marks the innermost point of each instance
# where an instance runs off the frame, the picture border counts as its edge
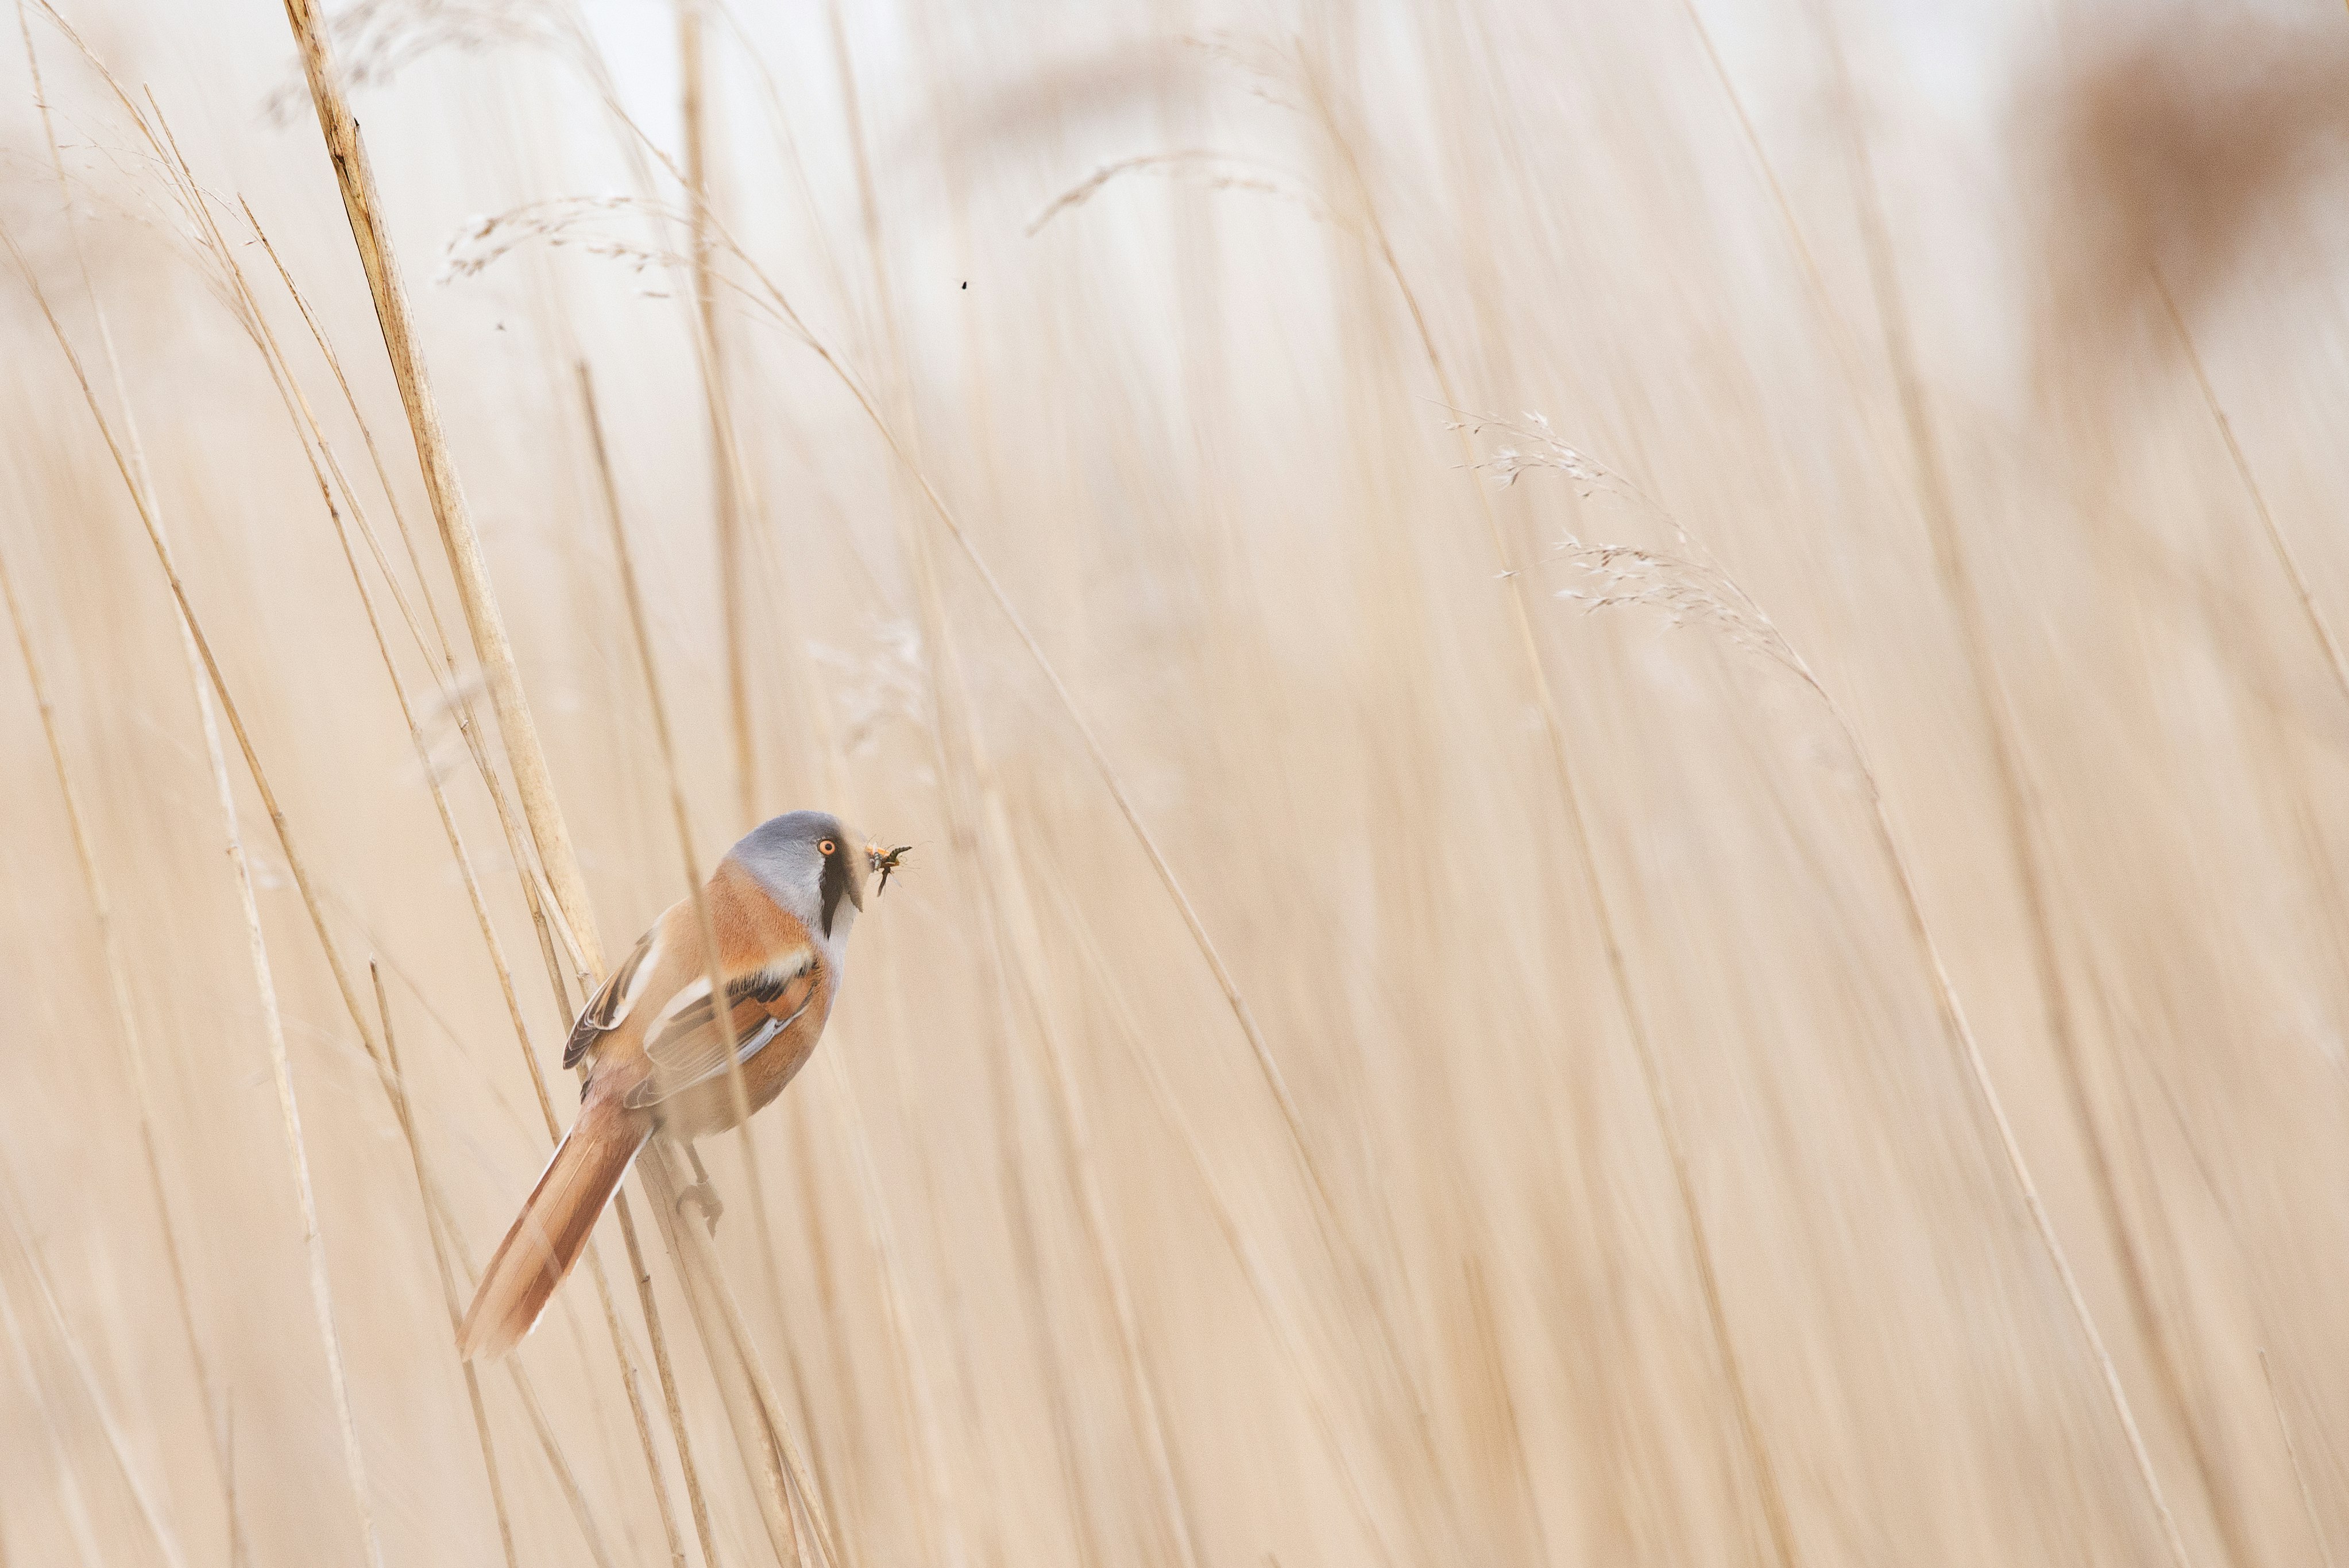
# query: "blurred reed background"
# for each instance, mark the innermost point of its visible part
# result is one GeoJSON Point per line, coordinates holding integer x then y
{"type": "Point", "coordinates": [1606, 1181]}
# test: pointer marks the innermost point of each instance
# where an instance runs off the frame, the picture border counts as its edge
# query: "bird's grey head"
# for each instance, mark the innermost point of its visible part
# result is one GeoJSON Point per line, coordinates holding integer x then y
{"type": "Point", "coordinates": [813, 866]}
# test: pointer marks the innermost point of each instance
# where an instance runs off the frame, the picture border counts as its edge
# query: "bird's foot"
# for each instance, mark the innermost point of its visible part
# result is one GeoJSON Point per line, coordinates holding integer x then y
{"type": "Point", "coordinates": [703, 1197]}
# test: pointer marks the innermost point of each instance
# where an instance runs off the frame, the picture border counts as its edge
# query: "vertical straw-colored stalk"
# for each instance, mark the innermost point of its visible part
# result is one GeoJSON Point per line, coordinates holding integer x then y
{"type": "Point", "coordinates": [772, 1477]}
{"type": "Point", "coordinates": [1253, 1266]}
{"type": "Point", "coordinates": [703, 1531]}
{"type": "Point", "coordinates": [118, 988]}
{"type": "Point", "coordinates": [1955, 1016]}
{"type": "Point", "coordinates": [2019, 836]}
{"type": "Point", "coordinates": [2291, 1452]}
{"type": "Point", "coordinates": [534, 781]}
{"type": "Point", "coordinates": [355, 178]}
{"type": "Point", "coordinates": [117, 985]}
{"type": "Point", "coordinates": [29, 1263]}
{"type": "Point", "coordinates": [321, 1289]}
{"type": "Point", "coordinates": [69, 1500]}
{"type": "Point", "coordinates": [772, 298]}
{"type": "Point", "coordinates": [307, 421]}
{"type": "Point", "coordinates": [453, 695]}
{"type": "Point", "coordinates": [1325, 1208]}
{"type": "Point", "coordinates": [397, 1085]}
{"type": "Point", "coordinates": [1019, 921]}
{"type": "Point", "coordinates": [954, 738]}
{"type": "Point", "coordinates": [2286, 557]}
{"type": "Point", "coordinates": [2019, 805]}
{"type": "Point", "coordinates": [980, 832]}
{"type": "Point", "coordinates": [725, 492]}
{"type": "Point", "coordinates": [1570, 795]}
{"type": "Point", "coordinates": [1747, 614]}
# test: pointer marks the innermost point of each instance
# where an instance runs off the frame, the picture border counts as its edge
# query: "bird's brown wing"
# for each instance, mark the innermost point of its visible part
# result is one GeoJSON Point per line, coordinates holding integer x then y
{"type": "Point", "coordinates": [683, 1044]}
{"type": "Point", "coordinates": [609, 1006]}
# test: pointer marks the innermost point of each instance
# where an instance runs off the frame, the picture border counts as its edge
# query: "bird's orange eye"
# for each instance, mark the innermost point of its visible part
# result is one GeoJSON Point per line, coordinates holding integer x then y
{"type": "Point", "coordinates": [827, 849]}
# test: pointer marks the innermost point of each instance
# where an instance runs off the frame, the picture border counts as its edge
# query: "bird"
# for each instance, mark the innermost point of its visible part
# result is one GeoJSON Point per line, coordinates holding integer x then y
{"type": "Point", "coordinates": [782, 901]}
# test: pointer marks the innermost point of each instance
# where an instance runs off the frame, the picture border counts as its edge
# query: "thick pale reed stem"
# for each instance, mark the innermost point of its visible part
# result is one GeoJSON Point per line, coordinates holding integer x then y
{"type": "Point", "coordinates": [532, 779]}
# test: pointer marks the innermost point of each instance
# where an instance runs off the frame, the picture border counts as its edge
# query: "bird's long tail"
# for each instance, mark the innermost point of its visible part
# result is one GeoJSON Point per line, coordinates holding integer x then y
{"type": "Point", "coordinates": [552, 1229]}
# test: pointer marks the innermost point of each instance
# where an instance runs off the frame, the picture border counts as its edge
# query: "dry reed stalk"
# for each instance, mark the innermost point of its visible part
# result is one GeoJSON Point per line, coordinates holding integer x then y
{"type": "Point", "coordinates": [2022, 815]}
{"type": "Point", "coordinates": [1702, 591]}
{"type": "Point", "coordinates": [957, 748]}
{"type": "Point", "coordinates": [290, 388]}
{"type": "Point", "coordinates": [2018, 796]}
{"type": "Point", "coordinates": [2291, 1452]}
{"type": "Point", "coordinates": [573, 1493]}
{"type": "Point", "coordinates": [733, 575]}
{"type": "Point", "coordinates": [776, 1480]}
{"type": "Point", "coordinates": [773, 1475]}
{"type": "Point", "coordinates": [2285, 556]}
{"type": "Point", "coordinates": [71, 1502]}
{"type": "Point", "coordinates": [682, 814]}
{"type": "Point", "coordinates": [454, 692]}
{"type": "Point", "coordinates": [299, 410]}
{"type": "Point", "coordinates": [450, 1237]}
{"type": "Point", "coordinates": [398, 1086]}
{"type": "Point", "coordinates": [452, 695]}
{"type": "Point", "coordinates": [118, 984]}
{"type": "Point", "coordinates": [726, 456]}
{"type": "Point", "coordinates": [914, 1377]}
{"type": "Point", "coordinates": [321, 1290]}
{"type": "Point", "coordinates": [752, 1405]}
{"type": "Point", "coordinates": [754, 1435]}
{"type": "Point", "coordinates": [1286, 1329]}
{"type": "Point", "coordinates": [532, 780]}
{"type": "Point", "coordinates": [669, 1398]}
{"type": "Point", "coordinates": [117, 987]}
{"type": "Point", "coordinates": [1767, 1488]}
{"type": "Point", "coordinates": [127, 466]}
{"type": "Point", "coordinates": [777, 303]}
{"type": "Point", "coordinates": [29, 1261]}
{"type": "Point", "coordinates": [354, 175]}
{"type": "Point", "coordinates": [1076, 1136]}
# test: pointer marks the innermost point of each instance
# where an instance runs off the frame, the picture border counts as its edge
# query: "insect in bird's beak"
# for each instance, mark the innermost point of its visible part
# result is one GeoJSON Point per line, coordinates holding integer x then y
{"type": "Point", "coordinates": [885, 861]}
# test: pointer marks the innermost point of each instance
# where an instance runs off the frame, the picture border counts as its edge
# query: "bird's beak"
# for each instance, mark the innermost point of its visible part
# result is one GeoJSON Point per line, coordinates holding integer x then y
{"type": "Point", "coordinates": [885, 861]}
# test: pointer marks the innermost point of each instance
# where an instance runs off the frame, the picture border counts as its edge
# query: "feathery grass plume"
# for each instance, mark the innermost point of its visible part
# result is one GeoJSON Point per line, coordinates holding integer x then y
{"type": "Point", "coordinates": [1203, 167]}
{"type": "Point", "coordinates": [374, 40]}
{"type": "Point", "coordinates": [1698, 591]}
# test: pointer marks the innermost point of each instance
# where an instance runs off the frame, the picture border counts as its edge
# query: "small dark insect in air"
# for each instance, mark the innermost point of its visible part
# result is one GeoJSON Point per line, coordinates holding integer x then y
{"type": "Point", "coordinates": [885, 861]}
{"type": "Point", "coordinates": [966, 283]}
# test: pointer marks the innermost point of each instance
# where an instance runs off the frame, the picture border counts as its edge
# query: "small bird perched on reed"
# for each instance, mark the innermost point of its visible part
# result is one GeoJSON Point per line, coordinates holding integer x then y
{"type": "Point", "coordinates": [782, 901]}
